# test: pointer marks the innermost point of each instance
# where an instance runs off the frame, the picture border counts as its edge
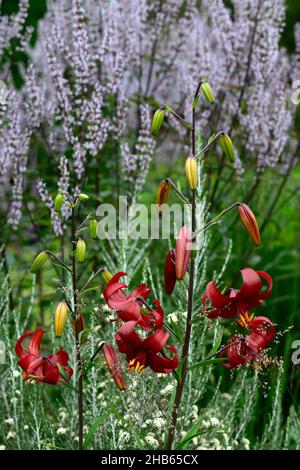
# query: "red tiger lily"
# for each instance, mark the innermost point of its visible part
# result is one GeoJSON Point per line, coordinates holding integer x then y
{"type": "Point", "coordinates": [177, 261]}
{"type": "Point", "coordinates": [48, 369]}
{"type": "Point", "coordinates": [129, 307]}
{"type": "Point", "coordinates": [237, 302]}
{"type": "Point", "coordinates": [242, 350]}
{"type": "Point", "coordinates": [141, 353]}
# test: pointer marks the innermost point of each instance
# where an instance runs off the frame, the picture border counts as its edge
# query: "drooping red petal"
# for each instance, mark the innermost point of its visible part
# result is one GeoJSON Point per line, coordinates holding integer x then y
{"type": "Point", "coordinates": [156, 341]}
{"type": "Point", "coordinates": [61, 357]}
{"type": "Point", "coordinates": [20, 351]}
{"type": "Point", "coordinates": [34, 364]}
{"type": "Point", "coordinates": [129, 336]}
{"type": "Point", "coordinates": [141, 291]}
{"type": "Point", "coordinates": [262, 334]}
{"type": "Point", "coordinates": [51, 373]}
{"type": "Point", "coordinates": [265, 295]}
{"type": "Point", "coordinates": [170, 272]}
{"type": "Point", "coordinates": [162, 364]}
{"type": "Point", "coordinates": [251, 286]}
{"type": "Point", "coordinates": [25, 362]}
{"type": "Point", "coordinates": [35, 342]}
{"type": "Point", "coordinates": [215, 297]}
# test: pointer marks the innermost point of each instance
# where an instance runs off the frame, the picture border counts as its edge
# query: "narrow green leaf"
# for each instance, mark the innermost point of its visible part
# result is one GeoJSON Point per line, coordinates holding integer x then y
{"type": "Point", "coordinates": [207, 362]}
{"type": "Point", "coordinates": [100, 420]}
{"type": "Point", "coordinates": [217, 345]}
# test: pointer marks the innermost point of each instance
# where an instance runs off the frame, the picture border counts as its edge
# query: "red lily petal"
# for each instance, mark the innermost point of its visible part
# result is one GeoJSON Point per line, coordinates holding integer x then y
{"type": "Point", "coordinates": [129, 336]}
{"type": "Point", "coordinates": [215, 297]}
{"type": "Point", "coordinates": [114, 365]}
{"type": "Point", "coordinates": [61, 357]}
{"type": "Point", "coordinates": [131, 313]}
{"type": "Point", "coordinates": [251, 286]}
{"type": "Point", "coordinates": [262, 333]}
{"type": "Point", "coordinates": [20, 351]}
{"type": "Point", "coordinates": [164, 365]}
{"type": "Point", "coordinates": [35, 342]}
{"type": "Point", "coordinates": [34, 364]}
{"type": "Point", "coordinates": [51, 373]}
{"type": "Point", "coordinates": [156, 341]}
{"type": "Point", "coordinates": [141, 291]}
{"type": "Point", "coordinates": [25, 362]}
{"type": "Point", "coordinates": [170, 272]}
{"type": "Point", "coordinates": [268, 279]}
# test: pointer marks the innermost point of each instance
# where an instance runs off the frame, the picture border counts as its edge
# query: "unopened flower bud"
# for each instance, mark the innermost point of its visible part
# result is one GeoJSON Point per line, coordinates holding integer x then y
{"type": "Point", "coordinates": [80, 251]}
{"type": "Point", "coordinates": [250, 223]}
{"type": "Point", "coordinates": [93, 228]}
{"type": "Point", "coordinates": [39, 261]}
{"type": "Point", "coordinates": [80, 324]}
{"type": "Point", "coordinates": [191, 172]}
{"type": "Point", "coordinates": [183, 252]}
{"type": "Point", "coordinates": [227, 146]}
{"type": "Point", "coordinates": [208, 92]}
{"type": "Point", "coordinates": [162, 192]}
{"type": "Point", "coordinates": [83, 197]}
{"type": "Point", "coordinates": [114, 365]}
{"type": "Point", "coordinates": [105, 276]}
{"type": "Point", "coordinates": [157, 121]}
{"type": "Point", "coordinates": [58, 201]}
{"type": "Point", "coordinates": [60, 318]}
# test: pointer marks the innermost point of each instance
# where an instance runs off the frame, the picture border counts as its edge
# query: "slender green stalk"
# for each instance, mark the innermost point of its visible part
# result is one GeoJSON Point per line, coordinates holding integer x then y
{"type": "Point", "coordinates": [188, 328]}
{"type": "Point", "coordinates": [77, 339]}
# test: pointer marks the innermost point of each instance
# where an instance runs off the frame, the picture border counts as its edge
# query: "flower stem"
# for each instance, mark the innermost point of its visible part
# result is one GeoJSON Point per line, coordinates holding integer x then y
{"type": "Point", "coordinates": [188, 328]}
{"type": "Point", "coordinates": [77, 339]}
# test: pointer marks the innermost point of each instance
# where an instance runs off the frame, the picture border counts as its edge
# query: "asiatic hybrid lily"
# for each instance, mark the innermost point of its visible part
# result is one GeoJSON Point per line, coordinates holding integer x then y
{"type": "Point", "coordinates": [114, 365]}
{"type": "Point", "coordinates": [142, 353]}
{"type": "Point", "coordinates": [237, 301]}
{"type": "Point", "coordinates": [50, 369]}
{"type": "Point", "coordinates": [177, 260]}
{"type": "Point", "coordinates": [241, 350]}
{"type": "Point", "coordinates": [129, 307]}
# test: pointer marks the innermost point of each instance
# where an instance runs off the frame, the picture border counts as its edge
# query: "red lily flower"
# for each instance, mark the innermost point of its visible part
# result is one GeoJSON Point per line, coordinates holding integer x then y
{"type": "Point", "coordinates": [242, 350]}
{"type": "Point", "coordinates": [141, 353]}
{"type": "Point", "coordinates": [48, 369]}
{"type": "Point", "coordinates": [177, 261]}
{"type": "Point", "coordinates": [129, 307]}
{"type": "Point", "coordinates": [237, 302]}
{"type": "Point", "coordinates": [114, 365]}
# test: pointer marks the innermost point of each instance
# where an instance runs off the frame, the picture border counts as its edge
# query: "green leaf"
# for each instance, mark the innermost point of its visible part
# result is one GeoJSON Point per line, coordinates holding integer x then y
{"type": "Point", "coordinates": [217, 345]}
{"type": "Point", "coordinates": [207, 362]}
{"type": "Point", "coordinates": [180, 367]}
{"type": "Point", "coordinates": [169, 413]}
{"type": "Point", "coordinates": [100, 420]}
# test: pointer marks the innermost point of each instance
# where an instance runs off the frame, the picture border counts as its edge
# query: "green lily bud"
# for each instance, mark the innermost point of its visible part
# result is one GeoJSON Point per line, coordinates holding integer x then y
{"type": "Point", "coordinates": [38, 262]}
{"type": "Point", "coordinates": [83, 197]}
{"type": "Point", "coordinates": [157, 121]}
{"type": "Point", "coordinates": [93, 228]}
{"type": "Point", "coordinates": [227, 146]}
{"type": "Point", "coordinates": [105, 276]}
{"type": "Point", "coordinates": [80, 251]}
{"type": "Point", "coordinates": [58, 201]}
{"type": "Point", "coordinates": [208, 92]}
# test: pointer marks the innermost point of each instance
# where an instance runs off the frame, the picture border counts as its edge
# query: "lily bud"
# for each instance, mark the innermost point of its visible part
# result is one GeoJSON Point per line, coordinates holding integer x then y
{"type": "Point", "coordinates": [114, 365]}
{"type": "Point", "coordinates": [106, 276]}
{"type": "Point", "coordinates": [227, 146]}
{"type": "Point", "coordinates": [162, 192]}
{"type": "Point", "coordinates": [93, 228]}
{"type": "Point", "coordinates": [80, 323]}
{"type": "Point", "coordinates": [208, 92]}
{"type": "Point", "coordinates": [58, 201]}
{"type": "Point", "coordinates": [60, 318]}
{"type": "Point", "coordinates": [39, 261]}
{"type": "Point", "coordinates": [191, 172]}
{"type": "Point", "coordinates": [157, 121]}
{"type": "Point", "coordinates": [83, 197]}
{"type": "Point", "coordinates": [80, 251]}
{"type": "Point", "coordinates": [183, 252]}
{"type": "Point", "coordinates": [250, 223]}
{"type": "Point", "coordinates": [169, 272]}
